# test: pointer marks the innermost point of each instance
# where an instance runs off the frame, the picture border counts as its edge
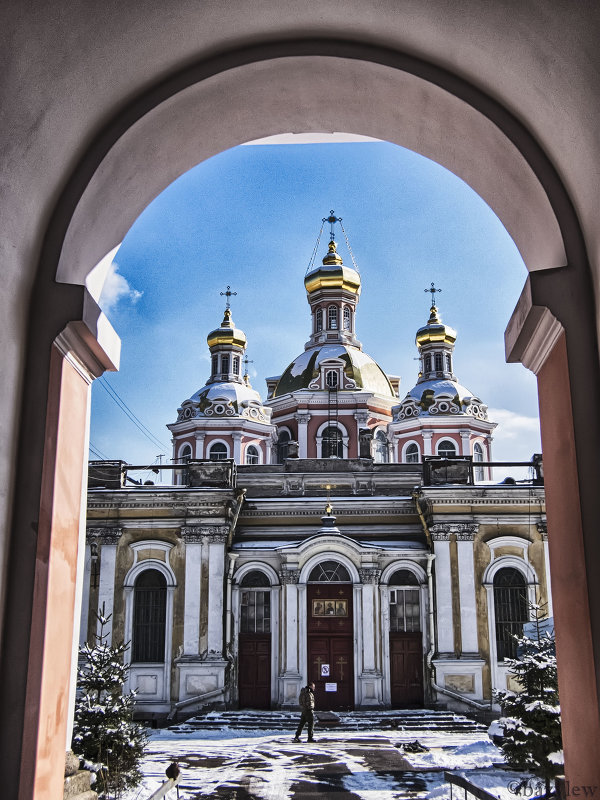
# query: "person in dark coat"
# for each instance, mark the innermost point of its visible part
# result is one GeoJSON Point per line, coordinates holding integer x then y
{"type": "Point", "coordinates": [307, 704]}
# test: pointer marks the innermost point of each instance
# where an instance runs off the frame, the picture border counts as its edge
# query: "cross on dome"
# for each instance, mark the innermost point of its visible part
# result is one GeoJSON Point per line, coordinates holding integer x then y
{"type": "Point", "coordinates": [228, 293]}
{"type": "Point", "coordinates": [432, 291]}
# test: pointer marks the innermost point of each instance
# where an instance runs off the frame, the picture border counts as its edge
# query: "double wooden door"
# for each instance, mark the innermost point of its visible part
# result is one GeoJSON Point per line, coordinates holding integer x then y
{"type": "Point", "coordinates": [254, 680]}
{"type": "Point", "coordinates": [406, 669]}
{"type": "Point", "coordinates": [330, 645]}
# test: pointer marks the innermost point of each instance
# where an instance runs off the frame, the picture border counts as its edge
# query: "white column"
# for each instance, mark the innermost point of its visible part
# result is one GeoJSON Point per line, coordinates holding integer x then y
{"type": "Point", "coordinates": [85, 596]}
{"type": "Point", "coordinates": [427, 437]}
{"type": "Point", "coordinates": [489, 439]}
{"type": "Point", "coordinates": [191, 614]}
{"type": "Point", "coordinates": [216, 577]}
{"type": "Point", "coordinates": [465, 440]}
{"type": "Point", "coordinates": [107, 538]}
{"type": "Point", "coordinates": [369, 579]}
{"type": "Point", "coordinates": [302, 418]}
{"type": "Point", "coordinates": [237, 447]}
{"type": "Point", "coordinates": [468, 610]}
{"type": "Point", "coordinates": [291, 660]}
{"type": "Point", "coordinates": [199, 436]}
{"type": "Point", "coordinates": [443, 591]}
{"type": "Point", "coordinates": [543, 529]}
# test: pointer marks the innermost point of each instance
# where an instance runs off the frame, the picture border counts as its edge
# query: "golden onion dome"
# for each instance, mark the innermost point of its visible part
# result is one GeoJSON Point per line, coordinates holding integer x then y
{"type": "Point", "coordinates": [227, 334]}
{"type": "Point", "coordinates": [435, 332]}
{"type": "Point", "coordinates": [333, 274]}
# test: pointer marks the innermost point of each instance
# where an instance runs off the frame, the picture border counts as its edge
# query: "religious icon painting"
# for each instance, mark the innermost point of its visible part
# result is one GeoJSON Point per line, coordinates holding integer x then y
{"type": "Point", "coordinates": [341, 608]}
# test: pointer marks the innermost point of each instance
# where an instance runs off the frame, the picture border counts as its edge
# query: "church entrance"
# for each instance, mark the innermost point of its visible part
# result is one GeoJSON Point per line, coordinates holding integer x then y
{"type": "Point", "coordinates": [254, 655]}
{"type": "Point", "coordinates": [406, 669]}
{"type": "Point", "coordinates": [330, 636]}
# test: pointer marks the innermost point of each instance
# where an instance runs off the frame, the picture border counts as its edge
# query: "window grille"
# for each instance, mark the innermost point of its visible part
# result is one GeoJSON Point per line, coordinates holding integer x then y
{"type": "Point", "coordinates": [411, 454]}
{"type": "Point", "coordinates": [332, 318]}
{"type": "Point", "coordinates": [510, 606]}
{"type": "Point", "coordinates": [347, 319]}
{"type": "Point", "coordinates": [283, 446]}
{"type": "Point", "coordinates": [448, 362]}
{"type": "Point", "coordinates": [319, 320]}
{"type": "Point", "coordinates": [215, 364]}
{"type": "Point", "coordinates": [218, 452]}
{"type": "Point", "coordinates": [381, 448]}
{"type": "Point", "coordinates": [236, 365]}
{"type": "Point", "coordinates": [149, 617]}
{"type": "Point", "coordinates": [255, 611]}
{"type": "Point", "coordinates": [428, 363]}
{"type": "Point", "coordinates": [224, 365]}
{"type": "Point", "coordinates": [329, 572]}
{"type": "Point", "coordinates": [447, 449]}
{"type": "Point", "coordinates": [251, 455]}
{"type": "Point", "coordinates": [478, 456]}
{"type": "Point", "coordinates": [439, 364]}
{"type": "Point", "coordinates": [405, 612]}
{"type": "Point", "coordinates": [332, 443]}
{"type": "Point", "coordinates": [331, 378]}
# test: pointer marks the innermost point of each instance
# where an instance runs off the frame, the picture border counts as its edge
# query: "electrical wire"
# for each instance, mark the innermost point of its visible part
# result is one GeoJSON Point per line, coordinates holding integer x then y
{"type": "Point", "coordinates": [98, 453]}
{"type": "Point", "coordinates": [114, 395]}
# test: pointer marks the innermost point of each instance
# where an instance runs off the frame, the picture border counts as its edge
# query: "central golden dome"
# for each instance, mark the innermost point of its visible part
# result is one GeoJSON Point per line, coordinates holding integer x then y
{"type": "Point", "coordinates": [333, 274]}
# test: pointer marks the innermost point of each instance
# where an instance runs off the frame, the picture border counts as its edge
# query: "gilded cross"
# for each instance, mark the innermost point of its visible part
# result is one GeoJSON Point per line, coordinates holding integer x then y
{"type": "Point", "coordinates": [432, 290]}
{"type": "Point", "coordinates": [341, 662]}
{"type": "Point", "coordinates": [318, 661]}
{"type": "Point", "coordinates": [331, 219]}
{"type": "Point", "coordinates": [228, 293]}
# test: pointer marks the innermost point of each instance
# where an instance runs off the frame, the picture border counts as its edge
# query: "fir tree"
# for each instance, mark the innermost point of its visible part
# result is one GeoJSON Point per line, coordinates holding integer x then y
{"type": "Point", "coordinates": [104, 731]}
{"type": "Point", "coordinates": [531, 718]}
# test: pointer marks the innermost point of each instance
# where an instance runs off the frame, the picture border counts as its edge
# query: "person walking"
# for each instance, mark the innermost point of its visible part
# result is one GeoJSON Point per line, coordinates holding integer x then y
{"type": "Point", "coordinates": [307, 704]}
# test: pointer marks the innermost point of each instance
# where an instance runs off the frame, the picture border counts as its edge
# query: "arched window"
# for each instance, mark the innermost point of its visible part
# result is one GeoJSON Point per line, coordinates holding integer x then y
{"type": "Point", "coordinates": [255, 603]}
{"type": "Point", "coordinates": [236, 365]}
{"type": "Point", "coordinates": [149, 617]}
{"type": "Point", "coordinates": [331, 379]}
{"type": "Point", "coordinates": [447, 449]}
{"type": "Point", "coordinates": [411, 454]}
{"type": "Point", "coordinates": [427, 363]}
{"type": "Point", "coordinates": [439, 363]}
{"type": "Point", "coordinates": [478, 457]}
{"type": "Point", "coordinates": [215, 365]}
{"type": "Point", "coordinates": [448, 362]}
{"type": "Point", "coordinates": [251, 454]}
{"type": "Point", "coordinates": [347, 319]}
{"type": "Point", "coordinates": [185, 454]}
{"type": "Point", "coordinates": [218, 452]}
{"type": "Point", "coordinates": [329, 572]}
{"type": "Point", "coordinates": [224, 366]}
{"type": "Point", "coordinates": [181, 475]}
{"type": "Point", "coordinates": [332, 445]}
{"type": "Point", "coordinates": [510, 608]}
{"type": "Point", "coordinates": [403, 577]}
{"type": "Point", "coordinates": [319, 319]}
{"type": "Point", "coordinates": [282, 446]}
{"type": "Point", "coordinates": [332, 318]}
{"type": "Point", "coordinates": [381, 447]}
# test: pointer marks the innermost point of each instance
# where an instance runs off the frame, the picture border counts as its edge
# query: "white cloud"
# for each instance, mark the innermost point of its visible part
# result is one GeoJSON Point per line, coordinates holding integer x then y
{"type": "Point", "coordinates": [517, 436]}
{"type": "Point", "coordinates": [115, 288]}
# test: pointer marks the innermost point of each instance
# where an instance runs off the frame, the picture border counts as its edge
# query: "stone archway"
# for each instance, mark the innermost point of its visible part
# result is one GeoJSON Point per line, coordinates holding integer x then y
{"type": "Point", "coordinates": [214, 104]}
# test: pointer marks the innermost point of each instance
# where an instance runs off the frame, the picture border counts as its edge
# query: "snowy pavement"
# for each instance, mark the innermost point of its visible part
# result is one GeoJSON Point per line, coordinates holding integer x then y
{"type": "Point", "coordinates": [348, 765]}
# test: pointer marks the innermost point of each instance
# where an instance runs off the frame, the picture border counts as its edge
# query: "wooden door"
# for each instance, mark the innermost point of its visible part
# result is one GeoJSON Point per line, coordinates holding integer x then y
{"type": "Point", "coordinates": [330, 645]}
{"type": "Point", "coordinates": [254, 678]}
{"type": "Point", "coordinates": [406, 669]}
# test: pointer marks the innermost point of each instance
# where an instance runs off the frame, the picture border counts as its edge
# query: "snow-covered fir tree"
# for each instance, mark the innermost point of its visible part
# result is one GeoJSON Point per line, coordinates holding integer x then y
{"type": "Point", "coordinates": [531, 718]}
{"type": "Point", "coordinates": [105, 734]}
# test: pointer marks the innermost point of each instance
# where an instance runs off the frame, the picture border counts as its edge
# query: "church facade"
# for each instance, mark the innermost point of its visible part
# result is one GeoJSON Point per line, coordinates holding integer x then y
{"type": "Point", "coordinates": [331, 532]}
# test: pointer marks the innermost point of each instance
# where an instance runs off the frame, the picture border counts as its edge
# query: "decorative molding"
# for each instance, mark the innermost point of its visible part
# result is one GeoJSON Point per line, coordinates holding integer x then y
{"type": "Point", "coordinates": [542, 527]}
{"type": "Point", "coordinates": [303, 417]}
{"type": "Point", "coordinates": [192, 534]}
{"type": "Point", "coordinates": [532, 332]}
{"type": "Point", "coordinates": [370, 575]}
{"type": "Point", "coordinates": [197, 533]}
{"type": "Point", "coordinates": [463, 531]}
{"type": "Point", "coordinates": [104, 535]}
{"type": "Point", "coordinates": [289, 576]}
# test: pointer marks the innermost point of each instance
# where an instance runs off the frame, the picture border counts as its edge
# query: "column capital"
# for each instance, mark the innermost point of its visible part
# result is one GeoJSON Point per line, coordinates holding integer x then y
{"type": "Point", "coordinates": [302, 417]}
{"type": "Point", "coordinates": [369, 575]}
{"type": "Point", "coordinates": [427, 434]}
{"type": "Point", "coordinates": [542, 527]}
{"type": "Point", "coordinates": [361, 417]}
{"type": "Point", "coordinates": [288, 576]}
{"type": "Point", "coordinates": [103, 535]}
{"type": "Point", "coordinates": [463, 531]}
{"type": "Point", "coordinates": [199, 435]}
{"type": "Point", "coordinates": [197, 533]}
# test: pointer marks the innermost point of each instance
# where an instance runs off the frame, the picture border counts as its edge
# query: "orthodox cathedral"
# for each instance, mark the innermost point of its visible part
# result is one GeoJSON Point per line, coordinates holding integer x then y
{"type": "Point", "coordinates": [334, 531]}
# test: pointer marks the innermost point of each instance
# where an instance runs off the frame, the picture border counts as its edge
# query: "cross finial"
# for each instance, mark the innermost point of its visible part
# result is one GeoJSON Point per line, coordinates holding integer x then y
{"type": "Point", "coordinates": [228, 293]}
{"type": "Point", "coordinates": [246, 362]}
{"type": "Point", "coordinates": [432, 290]}
{"type": "Point", "coordinates": [332, 219]}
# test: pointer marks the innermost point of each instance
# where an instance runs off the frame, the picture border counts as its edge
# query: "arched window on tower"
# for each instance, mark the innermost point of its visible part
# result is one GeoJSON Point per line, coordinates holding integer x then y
{"type": "Point", "coordinates": [332, 318]}
{"type": "Point", "coordinates": [510, 609]}
{"type": "Point", "coordinates": [236, 365]}
{"type": "Point", "coordinates": [218, 452]}
{"type": "Point", "coordinates": [331, 379]}
{"type": "Point", "coordinates": [215, 366]}
{"type": "Point", "coordinates": [478, 457]}
{"type": "Point", "coordinates": [181, 476]}
{"type": "Point", "coordinates": [448, 362]}
{"type": "Point", "coordinates": [428, 363]}
{"type": "Point", "coordinates": [405, 608]}
{"type": "Point", "coordinates": [332, 445]}
{"type": "Point", "coordinates": [319, 320]}
{"type": "Point", "coordinates": [347, 319]}
{"type": "Point", "coordinates": [251, 454]}
{"type": "Point", "coordinates": [381, 448]}
{"type": "Point", "coordinates": [224, 366]}
{"type": "Point", "coordinates": [447, 449]}
{"type": "Point", "coordinates": [411, 454]}
{"type": "Point", "coordinates": [149, 617]}
{"type": "Point", "coordinates": [282, 446]}
{"type": "Point", "coordinates": [439, 362]}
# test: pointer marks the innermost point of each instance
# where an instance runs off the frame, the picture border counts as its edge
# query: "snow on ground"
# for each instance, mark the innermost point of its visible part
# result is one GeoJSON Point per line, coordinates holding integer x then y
{"type": "Point", "coordinates": [268, 765]}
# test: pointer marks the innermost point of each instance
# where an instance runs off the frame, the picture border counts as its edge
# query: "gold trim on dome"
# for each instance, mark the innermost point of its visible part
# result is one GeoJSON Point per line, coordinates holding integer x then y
{"type": "Point", "coordinates": [340, 278]}
{"type": "Point", "coordinates": [332, 257]}
{"type": "Point", "coordinates": [230, 337]}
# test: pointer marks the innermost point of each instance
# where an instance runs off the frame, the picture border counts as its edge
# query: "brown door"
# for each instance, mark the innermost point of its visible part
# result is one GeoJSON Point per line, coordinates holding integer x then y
{"type": "Point", "coordinates": [254, 681]}
{"type": "Point", "coordinates": [406, 669]}
{"type": "Point", "coordinates": [330, 645]}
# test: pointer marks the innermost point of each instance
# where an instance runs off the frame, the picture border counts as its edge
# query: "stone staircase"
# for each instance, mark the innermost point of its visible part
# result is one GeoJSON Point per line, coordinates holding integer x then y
{"type": "Point", "coordinates": [412, 722]}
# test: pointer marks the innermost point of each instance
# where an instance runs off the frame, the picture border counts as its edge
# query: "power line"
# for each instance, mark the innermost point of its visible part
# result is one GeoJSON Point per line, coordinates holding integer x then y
{"type": "Point", "coordinates": [114, 395]}
{"type": "Point", "coordinates": [98, 453]}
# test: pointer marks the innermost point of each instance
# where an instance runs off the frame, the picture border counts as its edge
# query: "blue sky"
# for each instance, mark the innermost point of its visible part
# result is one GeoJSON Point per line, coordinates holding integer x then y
{"type": "Point", "coordinates": [249, 217]}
